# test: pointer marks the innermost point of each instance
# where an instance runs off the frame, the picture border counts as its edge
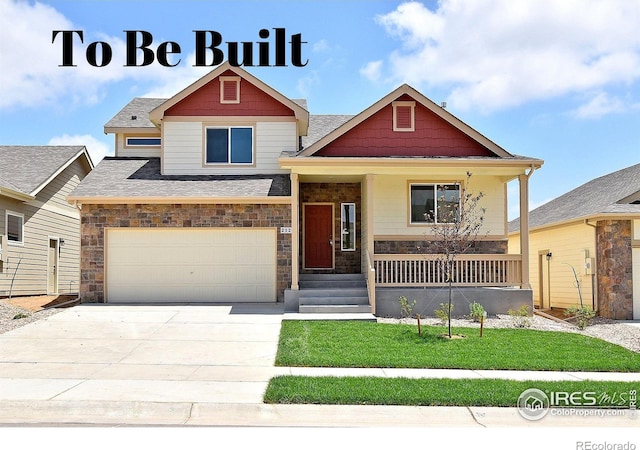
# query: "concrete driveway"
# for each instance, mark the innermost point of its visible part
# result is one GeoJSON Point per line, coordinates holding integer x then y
{"type": "Point", "coordinates": [139, 358]}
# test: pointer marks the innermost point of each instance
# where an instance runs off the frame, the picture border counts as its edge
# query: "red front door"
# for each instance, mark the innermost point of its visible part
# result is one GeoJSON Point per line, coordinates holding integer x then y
{"type": "Point", "coordinates": [318, 236]}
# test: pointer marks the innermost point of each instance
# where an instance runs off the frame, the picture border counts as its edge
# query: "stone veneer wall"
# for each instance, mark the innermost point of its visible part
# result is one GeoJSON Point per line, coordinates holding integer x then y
{"type": "Point", "coordinates": [95, 218]}
{"type": "Point", "coordinates": [614, 269]}
{"type": "Point", "coordinates": [336, 193]}
{"type": "Point", "coordinates": [420, 246]}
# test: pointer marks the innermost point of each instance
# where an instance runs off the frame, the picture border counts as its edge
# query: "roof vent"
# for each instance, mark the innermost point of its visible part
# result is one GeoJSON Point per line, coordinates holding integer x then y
{"type": "Point", "coordinates": [134, 117]}
{"type": "Point", "coordinates": [443, 105]}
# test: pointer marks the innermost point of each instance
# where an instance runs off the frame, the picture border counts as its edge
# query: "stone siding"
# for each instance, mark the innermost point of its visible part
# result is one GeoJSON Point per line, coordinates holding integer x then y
{"type": "Point", "coordinates": [420, 246]}
{"type": "Point", "coordinates": [95, 218]}
{"type": "Point", "coordinates": [615, 270]}
{"type": "Point", "coordinates": [336, 193]}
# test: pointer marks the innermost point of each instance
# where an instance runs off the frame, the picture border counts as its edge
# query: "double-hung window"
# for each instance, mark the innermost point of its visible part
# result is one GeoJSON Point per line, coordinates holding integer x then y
{"type": "Point", "coordinates": [434, 203]}
{"type": "Point", "coordinates": [229, 145]}
{"type": "Point", "coordinates": [15, 227]}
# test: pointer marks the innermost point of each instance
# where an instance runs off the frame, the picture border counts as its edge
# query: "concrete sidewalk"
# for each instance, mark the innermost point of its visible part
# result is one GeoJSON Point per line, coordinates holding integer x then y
{"type": "Point", "coordinates": [206, 365]}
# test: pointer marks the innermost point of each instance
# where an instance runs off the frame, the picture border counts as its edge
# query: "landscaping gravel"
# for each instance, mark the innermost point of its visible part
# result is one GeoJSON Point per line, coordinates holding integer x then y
{"type": "Point", "coordinates": [8, 312]}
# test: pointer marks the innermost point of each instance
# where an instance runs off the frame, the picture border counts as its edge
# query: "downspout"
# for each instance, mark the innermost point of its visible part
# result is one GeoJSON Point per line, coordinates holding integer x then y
{"type": "Point", "coordinates": [593, 269]}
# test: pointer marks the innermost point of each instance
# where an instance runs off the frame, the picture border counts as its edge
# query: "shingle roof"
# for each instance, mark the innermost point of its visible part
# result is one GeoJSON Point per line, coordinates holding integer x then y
{"type": "Point", "coordinates": [602, 195]}
{"type": "Point", "coordinates": [26, 168]}
{"type": "Point", "coordinates": [140, 177]}
{"type": "Point", "coordinates": [139, 108]}
{"type": "Point", "coordinates": [320, 126]}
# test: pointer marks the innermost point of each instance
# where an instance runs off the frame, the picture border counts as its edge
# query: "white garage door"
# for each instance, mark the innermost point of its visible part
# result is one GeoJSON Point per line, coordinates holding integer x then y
{"type": "Point", "coordinates": [179, 265]}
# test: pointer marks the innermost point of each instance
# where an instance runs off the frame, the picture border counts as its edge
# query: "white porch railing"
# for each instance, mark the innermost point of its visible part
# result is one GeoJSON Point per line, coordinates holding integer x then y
{"type": "Point", "coordinates": [468, 270]}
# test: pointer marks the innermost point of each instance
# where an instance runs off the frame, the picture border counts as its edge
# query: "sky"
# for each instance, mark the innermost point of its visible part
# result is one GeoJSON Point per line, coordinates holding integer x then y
{"type": "Point", "coordinates": [554, 80]}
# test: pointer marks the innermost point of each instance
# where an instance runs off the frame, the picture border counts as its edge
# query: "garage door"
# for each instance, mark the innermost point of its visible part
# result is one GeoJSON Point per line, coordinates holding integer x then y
{"type": "Point", "coordinates": [179, 265]}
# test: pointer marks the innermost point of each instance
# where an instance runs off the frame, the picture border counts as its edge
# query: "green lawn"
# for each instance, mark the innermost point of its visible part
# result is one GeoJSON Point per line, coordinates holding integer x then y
{"type": "Point", "coordinates": [370, 344]}
{"type": "Point", "coordinates": [433, 392]}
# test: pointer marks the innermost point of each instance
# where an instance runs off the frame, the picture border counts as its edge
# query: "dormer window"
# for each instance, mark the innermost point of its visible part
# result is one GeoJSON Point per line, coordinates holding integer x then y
{"type": "Point", "coordinates": [229, 89]}
{"type": "Point", "coordinates": [404, 116]}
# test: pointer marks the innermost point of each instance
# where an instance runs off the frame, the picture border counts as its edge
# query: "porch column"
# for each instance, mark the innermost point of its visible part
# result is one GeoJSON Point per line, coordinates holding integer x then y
{"type": "Point", "coordinates": [524, 228]}
{"type": "Point", "coordinates": [295, 230]}
{"type": "Point", "coordinates": [369, 218]}
{"type": "Point", "coordinates": [369, 245]}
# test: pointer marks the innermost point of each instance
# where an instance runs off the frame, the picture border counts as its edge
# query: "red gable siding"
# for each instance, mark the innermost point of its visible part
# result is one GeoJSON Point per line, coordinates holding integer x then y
{"type": "Point", "coordinates": [433, 136]}
{"type": "Point", "coordinates": [206, 102]}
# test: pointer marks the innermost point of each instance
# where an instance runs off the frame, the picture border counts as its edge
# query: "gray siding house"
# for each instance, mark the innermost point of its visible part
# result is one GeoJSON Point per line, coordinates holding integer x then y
{"type": "Point", "coordinates": [39, 229]}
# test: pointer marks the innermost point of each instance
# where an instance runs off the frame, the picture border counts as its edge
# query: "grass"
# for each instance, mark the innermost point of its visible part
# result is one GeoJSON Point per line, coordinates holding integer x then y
{"type": "Point", "coordinates": [370, 344]}
{"type": "Point", "coordinates": [433, 392]}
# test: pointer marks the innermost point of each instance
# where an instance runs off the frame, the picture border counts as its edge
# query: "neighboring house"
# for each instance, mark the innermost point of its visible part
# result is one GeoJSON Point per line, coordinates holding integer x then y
{"type": "Point", "coordinates": [230, 191]}
{"type": "Point", "coordinates": [594, 230]}
{"type": "Point", "coordinates": [39, 230]}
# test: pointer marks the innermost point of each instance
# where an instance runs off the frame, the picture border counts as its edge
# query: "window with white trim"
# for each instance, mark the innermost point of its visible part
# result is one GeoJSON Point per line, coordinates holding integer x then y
{"type": "Point", "coordinates": [229, 145]}
{"type": "Point", "coordinates": [348, 227]}
{"type": "Point", "coordinates": [15, 227]}
{"type": "Point", "coordinates": [404, 115]}
{"type": "Point", "coordinates": [434, 203]}
{"type": "Point", "coordinates": [140, 141]}
{"type": "Point", "coordinates": [229, 89]}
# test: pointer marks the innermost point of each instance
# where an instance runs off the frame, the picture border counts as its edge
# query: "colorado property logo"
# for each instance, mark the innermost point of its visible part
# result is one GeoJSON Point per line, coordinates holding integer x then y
{"type": "Point", "coordinates": [533, 404]}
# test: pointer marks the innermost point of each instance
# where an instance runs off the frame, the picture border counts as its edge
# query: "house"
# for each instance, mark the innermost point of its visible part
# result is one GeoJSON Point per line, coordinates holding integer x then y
{"type": "Point", "coordinates": [585, 246]}
{"type": "Point", "coordinates": [39, 229]}
{"type": "Point", "coordinates": [230, 191]}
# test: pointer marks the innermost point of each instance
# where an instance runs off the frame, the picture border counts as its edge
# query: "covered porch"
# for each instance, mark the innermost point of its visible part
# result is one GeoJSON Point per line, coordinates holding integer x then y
{"type": "Point", "coordinates": [391, 253]}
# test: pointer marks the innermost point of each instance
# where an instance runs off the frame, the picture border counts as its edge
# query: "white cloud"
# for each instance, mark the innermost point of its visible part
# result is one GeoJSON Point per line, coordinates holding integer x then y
{"type": "Point", "coordinates": [495, 54]}
{"type": "Point", "coordinates": [305, 84]}
{"type": "Point", "coordinates": [372, 70]}
{"type": "Point", "coordinates": [600, 105]}
{"type": "Point", "coordinates": [31, 72]}
{"type": "Point", "coordinates": [96, 148]}
{"type": "Point", "coordinates": [321, 46]}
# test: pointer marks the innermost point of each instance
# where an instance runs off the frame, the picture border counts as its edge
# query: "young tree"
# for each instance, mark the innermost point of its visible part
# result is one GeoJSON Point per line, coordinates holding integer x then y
{"type": "Point", "coordinates": [456, 226]}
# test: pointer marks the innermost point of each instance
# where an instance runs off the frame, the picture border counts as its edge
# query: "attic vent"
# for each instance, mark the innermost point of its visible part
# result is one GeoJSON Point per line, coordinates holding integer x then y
{"type": "Point", "coordinates": [229, 89]}
{"type": "Point", "coordinates": [404, 116]}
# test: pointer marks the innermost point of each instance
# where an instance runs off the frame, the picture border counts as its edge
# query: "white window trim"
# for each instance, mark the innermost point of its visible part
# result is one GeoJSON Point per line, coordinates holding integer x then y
{"type": "Point", "coordinates": [435, 185]}
{"type": "Point", "coordinates": [229, 163]}
{"type": "Point", "coordinates": [128, 144]}
{"type": "Point", "coordinates": [342, 233]}
{"type": "Point", "coordinates": [412, 104]}
{"type": "Point", "coordinates": [6, 223]}
{"type": "Point", "coordinates": [237, 81]}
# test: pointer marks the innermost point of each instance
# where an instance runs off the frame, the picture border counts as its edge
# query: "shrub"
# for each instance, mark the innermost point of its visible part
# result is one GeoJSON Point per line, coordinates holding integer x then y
{"type": "Point", "coordinates": [443, 312]}
{"type": "Point", "coordinates": [476, 311]}
{"type": "Point", "coordinates": [521, 317]}
{"type": "Point", "coordinates": [583, 315]}
{"type": "Point", "coordinates": [406, 307]}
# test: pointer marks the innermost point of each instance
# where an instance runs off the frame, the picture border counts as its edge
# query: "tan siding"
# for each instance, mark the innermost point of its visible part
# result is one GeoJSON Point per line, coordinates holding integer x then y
{"type": "Point", "coordinates": [183, 148]}
{"type": "Point", "coordinates": [567, 245]}
{"type": "Point", "coordinates": [50, 215]}
{"type": "Point", "coordinates": [391, 205]}
{"type": "Point", "coordinates": [121, 149]}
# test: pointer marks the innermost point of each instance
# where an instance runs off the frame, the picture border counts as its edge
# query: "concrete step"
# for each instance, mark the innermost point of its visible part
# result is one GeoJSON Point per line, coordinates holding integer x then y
{"type": "Point", "coordinates": [334, 309]}
{"type": "Point", "coordinates": [340, 292]}
{"type": "Point", "coordinates": [330, 276]}
{"type": "Point", "coordinates": [334, 301]}
{"type": "Point", "coordinates": [331, 284]}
